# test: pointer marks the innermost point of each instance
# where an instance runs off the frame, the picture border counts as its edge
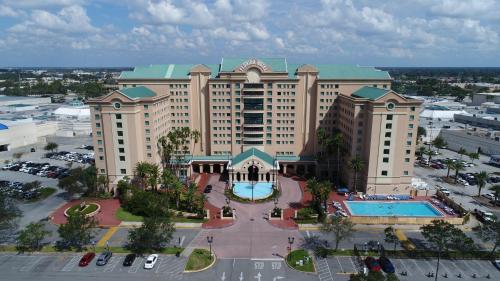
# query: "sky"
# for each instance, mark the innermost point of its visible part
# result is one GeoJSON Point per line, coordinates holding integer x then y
{"type": "Point", "coordinates": [94, 33]}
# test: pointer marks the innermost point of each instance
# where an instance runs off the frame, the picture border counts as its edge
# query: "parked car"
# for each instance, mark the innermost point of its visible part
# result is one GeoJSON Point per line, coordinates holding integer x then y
{"type": "Point", "coordinates": [372, 264]}
{"type": "Point", "coordinates": [104, 258]}
{"type": "Point", "coordinates": [386, 265]}
{"type": "Point", "coordinates": [484, 216]}
{"type": "Point", "coordinates": [86, 259]}
{"type": "Point", "coordinates": [445, 191]}
{"type": "Point", "coordinates": [151, 261]}
{"type": "Point", "coordinates": [129, 260]}
{"type": "Point", "coordinates": [496, 263]}
{"type": "Point", "coordinates": [208, 188]}
{"type": "Point", "coordinates": [489, 196]}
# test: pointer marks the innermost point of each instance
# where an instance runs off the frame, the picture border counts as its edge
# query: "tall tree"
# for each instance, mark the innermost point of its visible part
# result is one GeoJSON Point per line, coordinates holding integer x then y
{"type": "Point", "coordinates": [154, 233]}
{"type": "Point", "coordinates": [481, 178]}
{"type": "Point", "coordinates": [473, 156]}
{"type": "Point", "coordinates": [190, 195]}
{"type": "Point", "coordinates": [429, 154]}
{"type": "Point", "coordinates": [71, 185]}
{"type": "Point", "coordinates": [462, 152]}
{"type": "Point", "coordinates": [458, 166]}
{"type": "Point", "coordinates": [76, 232]}
{"type": "Point", "coordinates": [154, 176]}
{"type": "Point", "coordinates": [390, 236]}
{"type": "Point", "coordinates": [142, 171]}
{"type": "Point", "coordinates": [421, 150]}
{"type": "Point", "coordinates": [51, 146]}
{"type": "Point", "coordinates": [439, 143]}
{"type": "Point", "coordinates": [340, 227]}
{"type": "Point", "coordinates": [357, 165]}
{"type": "Point", "coordinates": [31, 237]}
{"type": "Point", "coordinates": [421, 132]}
{"type": "Point", "coordinates": [449, 165]}
{"type": "Point", "coordinates": [489, 232]}
{"type": "Point", "coordinates": [9, 213]}
{"type": "Point", "coordinates": [445, 236]}
{"type": "Point", "coordinates": [102, 182]}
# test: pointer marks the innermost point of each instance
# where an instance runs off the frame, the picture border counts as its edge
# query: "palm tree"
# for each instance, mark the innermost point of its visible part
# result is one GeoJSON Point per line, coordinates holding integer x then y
{"type": "Point", "coordinates": [473, 156]}
{"type": "Point", "coordinates": [458, 166]}
{"type": "Point", "coordinates": [462, 152]}
{"type": "Point", "coordinates": [439, 143]}
{"type": "Point", "coordinates": [191, 192]}
{"type": "Point", "coordinates": [356, 164]}
{"type": "Point", "coordinates": [421, 150]}
{"type": "Point", "coordinates": [496, 192]}
{"type": "Point", "coordinates": [429, 153]}
{"type": "Point", "coordinates": [176, 188]}
{"type": "Point", "coordinates": [337, 142]}
{"type": "Point", "coordinates": [154, 174]}
{"type": "Point", "coordinates": [481, 180]}
{"type": "Point", "coordinates": [449, 165]}
{"type": "Point", "coordinates": [324, 193]}
{"type": "Point", "coordinates": [142, 171]}
{"type": "Point", "coordinates": [102, 182]}
{"type": "Point", "coordinates": [195, 137]}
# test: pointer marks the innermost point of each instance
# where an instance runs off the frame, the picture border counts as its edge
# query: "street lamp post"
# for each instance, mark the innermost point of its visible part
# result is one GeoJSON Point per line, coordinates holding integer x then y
{"type": "Point", "coordinates": [210, 239]}
{"type": "Point", "coordinates": [290, 241]}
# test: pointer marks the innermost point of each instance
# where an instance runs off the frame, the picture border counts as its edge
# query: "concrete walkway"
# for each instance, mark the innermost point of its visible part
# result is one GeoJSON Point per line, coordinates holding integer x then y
{"type": "Point", "coordinates": [251, 236]}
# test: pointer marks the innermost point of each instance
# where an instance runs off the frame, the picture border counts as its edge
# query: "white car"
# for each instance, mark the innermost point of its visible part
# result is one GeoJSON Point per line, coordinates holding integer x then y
{"type": "Point", "coordinates": [151, 261]}
{"type": "Point", "coordinates": [490, 196]}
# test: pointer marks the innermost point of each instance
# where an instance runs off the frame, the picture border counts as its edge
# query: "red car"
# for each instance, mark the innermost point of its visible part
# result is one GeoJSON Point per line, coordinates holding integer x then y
{"type": "Point", "coordinates": [372, 264]}
{"type": "Point", "coordinates": [86, 259]}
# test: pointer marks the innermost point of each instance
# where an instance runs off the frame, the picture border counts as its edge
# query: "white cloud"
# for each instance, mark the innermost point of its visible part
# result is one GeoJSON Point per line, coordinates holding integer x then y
{"type": "Point", "coordinates": [279, 42]}
{"type": "Point", "coordinates": [43, 3]}
{"type": "Point", "coordinates": [6, 11]}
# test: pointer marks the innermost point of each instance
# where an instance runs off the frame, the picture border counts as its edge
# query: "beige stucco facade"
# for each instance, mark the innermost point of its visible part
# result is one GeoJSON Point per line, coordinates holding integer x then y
{"type": "Point", "coordinates": [265, 104]}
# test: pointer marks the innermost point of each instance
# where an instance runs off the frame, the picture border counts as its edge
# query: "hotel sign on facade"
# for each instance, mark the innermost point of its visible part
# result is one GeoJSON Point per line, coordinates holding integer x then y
{"type": "Point", "coordinates": [250, 62]}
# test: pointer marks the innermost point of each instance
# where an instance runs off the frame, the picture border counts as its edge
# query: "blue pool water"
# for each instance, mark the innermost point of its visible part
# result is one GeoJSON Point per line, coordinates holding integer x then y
{"type": "Point", "coordinates": [260, 190]}
{"type": "Point", "coordinates": [389, 209]}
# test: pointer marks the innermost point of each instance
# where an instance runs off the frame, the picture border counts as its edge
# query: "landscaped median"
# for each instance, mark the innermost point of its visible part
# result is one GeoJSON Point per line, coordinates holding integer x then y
{"type": "Point", "coordinates": [126, 216]}
{"type": "Point", "coordinates": [199, 260]}
{"type": "Point", "coordinates": [300, 260]}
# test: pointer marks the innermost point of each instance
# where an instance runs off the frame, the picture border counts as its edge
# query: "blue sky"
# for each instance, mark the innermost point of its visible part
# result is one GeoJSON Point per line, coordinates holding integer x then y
{"type": "Point", "coordinates": [139, 32]}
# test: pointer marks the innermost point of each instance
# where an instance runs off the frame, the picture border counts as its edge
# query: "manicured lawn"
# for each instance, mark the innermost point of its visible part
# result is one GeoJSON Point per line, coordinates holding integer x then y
{"type": "Point", "coordinates": [293, 258]}
{"type": "Point", "coordinates": [123, 215]}
{"type": "Point", "coordinates": [199, 259]}
{"type": "Point", "coordinates": [44, 193]}
{"type": "Point", "coordinates": [91, 207]}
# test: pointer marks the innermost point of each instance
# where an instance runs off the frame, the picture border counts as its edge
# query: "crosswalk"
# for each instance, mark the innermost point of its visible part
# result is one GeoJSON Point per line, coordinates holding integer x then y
{"type": "Point", "coordinates": [323, 269]}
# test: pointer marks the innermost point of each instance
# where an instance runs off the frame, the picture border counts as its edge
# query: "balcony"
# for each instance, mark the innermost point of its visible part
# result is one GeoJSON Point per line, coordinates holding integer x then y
{"type": "Point", "coordinates": [253, 86]}
{"type": "Point", "coordinates": [253, 93]}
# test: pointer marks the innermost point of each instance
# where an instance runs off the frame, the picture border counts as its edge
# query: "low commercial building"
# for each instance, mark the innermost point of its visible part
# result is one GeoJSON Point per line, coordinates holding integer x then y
{"type": "Point", "coordinates": [14, 100]}
{"type": "Point", "coordinates": [480, 98]}
{"type": "Point", "coordinates": [472, 141]}
{"type": "Point", "coordinates": [19, 132]}
{"type": "Point", "coordinates": [488, 121]}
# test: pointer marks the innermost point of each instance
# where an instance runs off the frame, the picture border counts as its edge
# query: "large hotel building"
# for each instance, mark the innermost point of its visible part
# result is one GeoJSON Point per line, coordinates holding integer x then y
{"type": "Point", "coordinates": [262, 113]}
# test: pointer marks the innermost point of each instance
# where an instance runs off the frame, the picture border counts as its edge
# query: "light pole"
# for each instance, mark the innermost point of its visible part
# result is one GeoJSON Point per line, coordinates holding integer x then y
{"type": "Point", "coordinates": [210, 239]}
{"type": "Point", "coordinates": [290, 241]}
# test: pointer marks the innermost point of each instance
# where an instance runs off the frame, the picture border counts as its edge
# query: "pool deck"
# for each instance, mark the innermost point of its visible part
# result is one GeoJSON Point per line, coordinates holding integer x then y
{"type": "Point", "coordinates": [341, 198]}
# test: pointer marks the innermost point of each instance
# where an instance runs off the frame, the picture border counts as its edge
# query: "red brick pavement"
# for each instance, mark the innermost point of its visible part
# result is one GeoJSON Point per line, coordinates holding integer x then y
{"type": "Point", "coordinates": [105, 217]}
{"type": "Point", "coordinates": [215, 221]}
{"type": "Point", "coordinates": [289, 213]}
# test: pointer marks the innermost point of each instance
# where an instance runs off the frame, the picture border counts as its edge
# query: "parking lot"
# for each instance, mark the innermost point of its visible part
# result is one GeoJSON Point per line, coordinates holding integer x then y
{"type": "Point", "coordinates": [342, 267]}
{"type": "Point", "coordinates": [61, 266]}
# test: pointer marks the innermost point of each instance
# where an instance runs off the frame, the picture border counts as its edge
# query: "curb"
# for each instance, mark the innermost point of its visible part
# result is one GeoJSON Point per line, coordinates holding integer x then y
{"type": "Point", "coordinates": [307, 272]}
{"type": "Point", "coordinates": [203, 269]}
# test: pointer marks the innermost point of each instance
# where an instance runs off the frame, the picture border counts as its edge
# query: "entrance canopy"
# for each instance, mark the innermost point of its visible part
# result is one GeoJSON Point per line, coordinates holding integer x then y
{"type": "Point", "coordinates": [253, 165]}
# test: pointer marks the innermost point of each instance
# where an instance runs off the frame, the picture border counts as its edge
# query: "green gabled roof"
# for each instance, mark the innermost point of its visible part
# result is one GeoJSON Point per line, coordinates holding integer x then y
{"type": "Point", "coordinates": [165, 71]}
{"type": "Point", "coordinates": [370, 93]}
{"type": "Point", "coordinates": [253, 152]}
{"type": "Point", "coordinates": [276, 64]}
{"type": "Point", "coordinates": [137, 92]}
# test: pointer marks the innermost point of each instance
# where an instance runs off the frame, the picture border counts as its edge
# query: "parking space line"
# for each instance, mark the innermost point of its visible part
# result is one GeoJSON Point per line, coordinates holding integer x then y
{"type": "Point", "coordinates": [416, 265]}
{"type": "Point", "coordinates": [31, 265]}
{"type": "Point", "coordinates": [113, 262]}
{"type": "Point", "coordinates": [4, 258]}
{"type": "Point", "coordinates": [161, 259]}
{"type": "Point", "coordinates": [430, 265]}
{"type": "Point", "coordinates": [481, 265]}
{"type": "Point", "coordinates": [459, 269]}
{"type": "Point", "coordinates": [341, 269]}
{"type": "Point", "coordinates": [354, 268]}
{"type": "Point", "coordinates": [135, 266]}
{"type": "Point", "coordinates": [405, 268]}
{"type": "Point", "coordinates": [443, 266]}
{"type": "Point", "coordinates": [71, 264]}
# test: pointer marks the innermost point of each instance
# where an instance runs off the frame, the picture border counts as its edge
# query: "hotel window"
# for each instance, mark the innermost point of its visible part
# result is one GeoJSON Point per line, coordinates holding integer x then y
{"type": "Point", "coordinates": [146, 106]}
{"type": "Point", "coordinates": [386, 160]}
{"type": "Point", "coordinates": [388, 126]}
{"type": "Point", "coordinates": [119, 133]}
{"type": "Point", "coordinates": [148, 139]}
{"type": "Point", "coordinates": [410, 126]}
{"type": "Point", "coordinates": [98, 125]}
{"type": "Point", "coordinates": [148, 147]}
{"type": "Point", "coordinates": [270, 85]}
{"type": "Point", "coordinates": [101, 149]}
{"type": "Point", "coordinates": [408, 152]}
{"type": "Point", "coordinates": [412, 108]}
{"type": "Point", "coordinates": [410, 135]}
{"type": "Point", "coordinates": [407, 160]}
{"type": "Point", "coordinates": [149, 155]}
{"type": "Point", "coordinates": [146, 123]}
{"type": "Point", "coordinates": [123, 171]}
{"type": "Point", "coordinates": [386, 151]}
{"type": "Point", "coordinates": [336, 86]}
{"type": "Point", "coordinates": [389, 116]}
{"type": "Point", "coordinates": [120, 141]}
{"type": "Point", "coordinates": [122, 158]}
{"type": "Point", "coordinates": [268, 142]}
{"type": "Point", "coordinates": [103, 171]}
{"type": "Point", "coordinates": [146, 115]}
{"type": "Point", "coordinates": [99, 133]}
{"type": "Point", "coordinates": [121, 150]}
{"type": "Point", "coordinates": [99, 142]}
{"type": "Point", "coordinates": [101, 158]}
{"type": "Point", "coordinates": [387, 143]}
{"type": "Point", "coordinates": [97, 117]}
{"type": "Point", "coordinates": [384, 173]}
{"type": "Point", "coordinates": [118, 116]}
{"type": "Point", "coordinates": [148, 131]}
{"type": "Point", "coordinates": [408, 142]}
{"type": "Point", "coordinates": [412, 117]}
{"type": "Point", "coordinates": [388, 134]}
{"type": "Point", "coordinates": [384, 86]}
{"type": "Point", "coordinates": [405, 173]}
{"type": "Point", "coordinates": [119, 125]}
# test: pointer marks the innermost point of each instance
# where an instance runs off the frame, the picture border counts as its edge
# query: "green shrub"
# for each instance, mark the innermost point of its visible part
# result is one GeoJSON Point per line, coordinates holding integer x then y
{"type": "Point", "coordinates": [305, 213]}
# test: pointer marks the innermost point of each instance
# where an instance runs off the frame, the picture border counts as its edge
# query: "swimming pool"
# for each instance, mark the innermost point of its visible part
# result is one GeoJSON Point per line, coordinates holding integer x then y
{"type": "Point", "coordinates": [392, 209]}
{"type": "Point", "coordinates": [261, 190]}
